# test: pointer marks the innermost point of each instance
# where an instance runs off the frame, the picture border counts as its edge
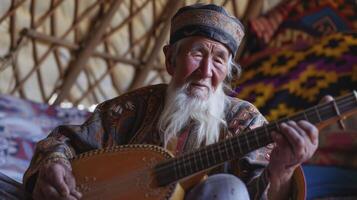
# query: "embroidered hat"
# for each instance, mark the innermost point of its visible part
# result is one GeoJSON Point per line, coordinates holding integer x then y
{"type": "Point", "coordinates": [207, 20]}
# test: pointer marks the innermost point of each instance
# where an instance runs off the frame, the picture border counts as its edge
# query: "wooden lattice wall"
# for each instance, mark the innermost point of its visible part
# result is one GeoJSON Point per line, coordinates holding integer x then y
{"type": "Point", "coordinates": [85, 52]}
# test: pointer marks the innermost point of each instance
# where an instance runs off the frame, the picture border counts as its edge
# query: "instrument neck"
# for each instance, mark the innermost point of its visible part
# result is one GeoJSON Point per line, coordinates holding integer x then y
{"type": "Point", "coordinates": [218, 153]}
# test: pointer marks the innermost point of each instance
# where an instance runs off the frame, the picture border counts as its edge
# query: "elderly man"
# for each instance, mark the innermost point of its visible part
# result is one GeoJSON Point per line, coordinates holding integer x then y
{"type": "Point", "coordinates": [190, 112]}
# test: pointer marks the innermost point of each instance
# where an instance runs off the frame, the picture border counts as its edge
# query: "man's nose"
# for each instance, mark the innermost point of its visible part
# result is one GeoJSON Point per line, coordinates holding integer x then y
{"type": "Point", "coordinates": [206, 67]}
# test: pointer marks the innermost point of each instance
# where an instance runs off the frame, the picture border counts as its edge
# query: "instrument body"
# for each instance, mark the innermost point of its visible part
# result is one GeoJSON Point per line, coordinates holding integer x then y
{"type": "Point", "coordinates": [123, 172]}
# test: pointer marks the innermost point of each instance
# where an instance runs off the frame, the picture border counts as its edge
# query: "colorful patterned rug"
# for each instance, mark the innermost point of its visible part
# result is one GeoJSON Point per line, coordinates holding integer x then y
{"type": "Point", "coordinates": [288, 81]}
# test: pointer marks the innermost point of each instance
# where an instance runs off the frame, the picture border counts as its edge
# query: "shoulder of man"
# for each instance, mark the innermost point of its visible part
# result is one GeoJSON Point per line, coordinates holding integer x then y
{"type": "Point", "coordinates": [141, 94]}
{"type": "Point", "coordinates": [237, 105]}
{"type": "Point", "coordinates": [242, 115]}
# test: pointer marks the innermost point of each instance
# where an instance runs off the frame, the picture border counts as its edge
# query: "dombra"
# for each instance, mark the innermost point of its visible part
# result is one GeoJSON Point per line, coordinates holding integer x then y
{"type": "Point", "coordinates": [151, 172]}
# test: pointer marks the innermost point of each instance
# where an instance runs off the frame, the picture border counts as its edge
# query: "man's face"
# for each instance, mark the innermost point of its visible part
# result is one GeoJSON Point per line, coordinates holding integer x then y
{"type": "Point", "coordinates": [201, 63]}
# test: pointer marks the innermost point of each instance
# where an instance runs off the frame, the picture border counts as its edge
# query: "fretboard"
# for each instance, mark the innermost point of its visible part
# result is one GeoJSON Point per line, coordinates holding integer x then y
{"type": "Point", "coordinates": [212, 155]}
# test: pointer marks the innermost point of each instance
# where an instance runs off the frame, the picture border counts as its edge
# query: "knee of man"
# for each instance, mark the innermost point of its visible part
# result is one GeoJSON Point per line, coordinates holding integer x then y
{"type": "Point", "coordinates": [228, 181]}
{"type": "Point", "coordinates": [220, 186]}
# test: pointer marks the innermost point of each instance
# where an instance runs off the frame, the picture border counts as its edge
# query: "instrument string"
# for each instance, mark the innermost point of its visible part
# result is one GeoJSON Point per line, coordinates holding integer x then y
{"type": "Point", "coordinates": [324, 108]}
{"type": "Point", "coordinates": [344, 103]}
{"type": "Point", "coordinates": [191, 157]}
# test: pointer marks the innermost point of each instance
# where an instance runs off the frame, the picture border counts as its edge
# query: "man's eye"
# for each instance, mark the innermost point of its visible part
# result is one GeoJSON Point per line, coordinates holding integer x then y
{"type": "Point", "coordinates": [196, 54]}
{"type": "Point", "coordinates": [218, 60]}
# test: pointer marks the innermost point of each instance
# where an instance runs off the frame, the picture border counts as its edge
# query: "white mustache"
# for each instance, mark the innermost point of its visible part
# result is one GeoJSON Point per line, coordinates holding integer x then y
{"type": "Point", "coordinates": [204, 83]}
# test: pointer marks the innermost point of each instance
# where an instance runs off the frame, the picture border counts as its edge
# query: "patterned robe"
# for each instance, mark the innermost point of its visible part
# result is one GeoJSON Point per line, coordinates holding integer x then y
{"type": "Point", "coordinates": [132, 119]}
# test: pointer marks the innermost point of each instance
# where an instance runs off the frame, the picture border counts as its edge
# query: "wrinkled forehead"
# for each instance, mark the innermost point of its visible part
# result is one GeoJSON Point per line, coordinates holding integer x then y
{"type": "Point", "coordinates": [204, 44]}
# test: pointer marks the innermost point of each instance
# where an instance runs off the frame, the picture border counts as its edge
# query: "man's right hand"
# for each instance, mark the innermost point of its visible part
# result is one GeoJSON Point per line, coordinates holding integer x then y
{"type": "Point", "coordinates": [55, 182]}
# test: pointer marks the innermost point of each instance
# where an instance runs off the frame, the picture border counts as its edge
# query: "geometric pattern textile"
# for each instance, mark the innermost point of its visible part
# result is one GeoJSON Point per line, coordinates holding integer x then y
{"type": "Point", "coordinates": [285, 82]}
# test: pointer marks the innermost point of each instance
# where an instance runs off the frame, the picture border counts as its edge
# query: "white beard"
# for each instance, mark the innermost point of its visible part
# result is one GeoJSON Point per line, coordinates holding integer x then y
{"type": "Point", "coordinates": [207, 115]}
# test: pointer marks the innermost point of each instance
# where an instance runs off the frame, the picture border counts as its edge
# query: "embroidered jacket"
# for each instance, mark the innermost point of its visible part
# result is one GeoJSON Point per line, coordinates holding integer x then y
{"type": "Point", "coordinates": [132, 119]}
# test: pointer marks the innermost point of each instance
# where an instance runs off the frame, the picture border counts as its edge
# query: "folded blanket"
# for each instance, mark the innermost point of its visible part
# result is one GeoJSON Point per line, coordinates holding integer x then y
{"type": "Point", "coordinates": [10, 189]}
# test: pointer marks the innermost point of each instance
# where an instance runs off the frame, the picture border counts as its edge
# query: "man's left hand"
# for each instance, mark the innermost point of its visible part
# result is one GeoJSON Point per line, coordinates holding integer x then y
{"type": "Point", "coordinates": [296, 142]}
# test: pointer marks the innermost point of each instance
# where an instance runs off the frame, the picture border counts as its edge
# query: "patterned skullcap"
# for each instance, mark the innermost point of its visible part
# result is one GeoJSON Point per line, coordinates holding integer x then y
{"type": "Point", "coordinates": [207, 20]}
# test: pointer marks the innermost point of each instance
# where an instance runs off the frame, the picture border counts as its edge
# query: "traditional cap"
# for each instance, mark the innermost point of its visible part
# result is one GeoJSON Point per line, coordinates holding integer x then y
{"type": "Point", "coordinates": [207, 20]}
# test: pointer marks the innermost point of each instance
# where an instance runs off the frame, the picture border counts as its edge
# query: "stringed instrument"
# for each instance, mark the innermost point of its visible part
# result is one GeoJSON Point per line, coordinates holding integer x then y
{"type": "Point", "coordinates": [151, 172]}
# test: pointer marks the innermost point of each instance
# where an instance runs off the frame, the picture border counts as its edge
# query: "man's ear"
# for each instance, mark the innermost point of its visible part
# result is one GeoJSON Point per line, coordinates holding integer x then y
{"type": "Point", "coordinates": [168, 59]}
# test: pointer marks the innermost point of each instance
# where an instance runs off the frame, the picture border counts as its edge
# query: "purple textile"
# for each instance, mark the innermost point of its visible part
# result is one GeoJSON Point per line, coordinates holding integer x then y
{"type": "Point", "coordinates": [22, 124]}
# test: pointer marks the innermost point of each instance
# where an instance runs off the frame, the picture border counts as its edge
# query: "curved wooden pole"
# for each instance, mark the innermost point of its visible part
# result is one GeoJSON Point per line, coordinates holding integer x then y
{"type": "Point", "coordinates": [89, 45]}
{"type": "Point", "coordinates": [142, 72]}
